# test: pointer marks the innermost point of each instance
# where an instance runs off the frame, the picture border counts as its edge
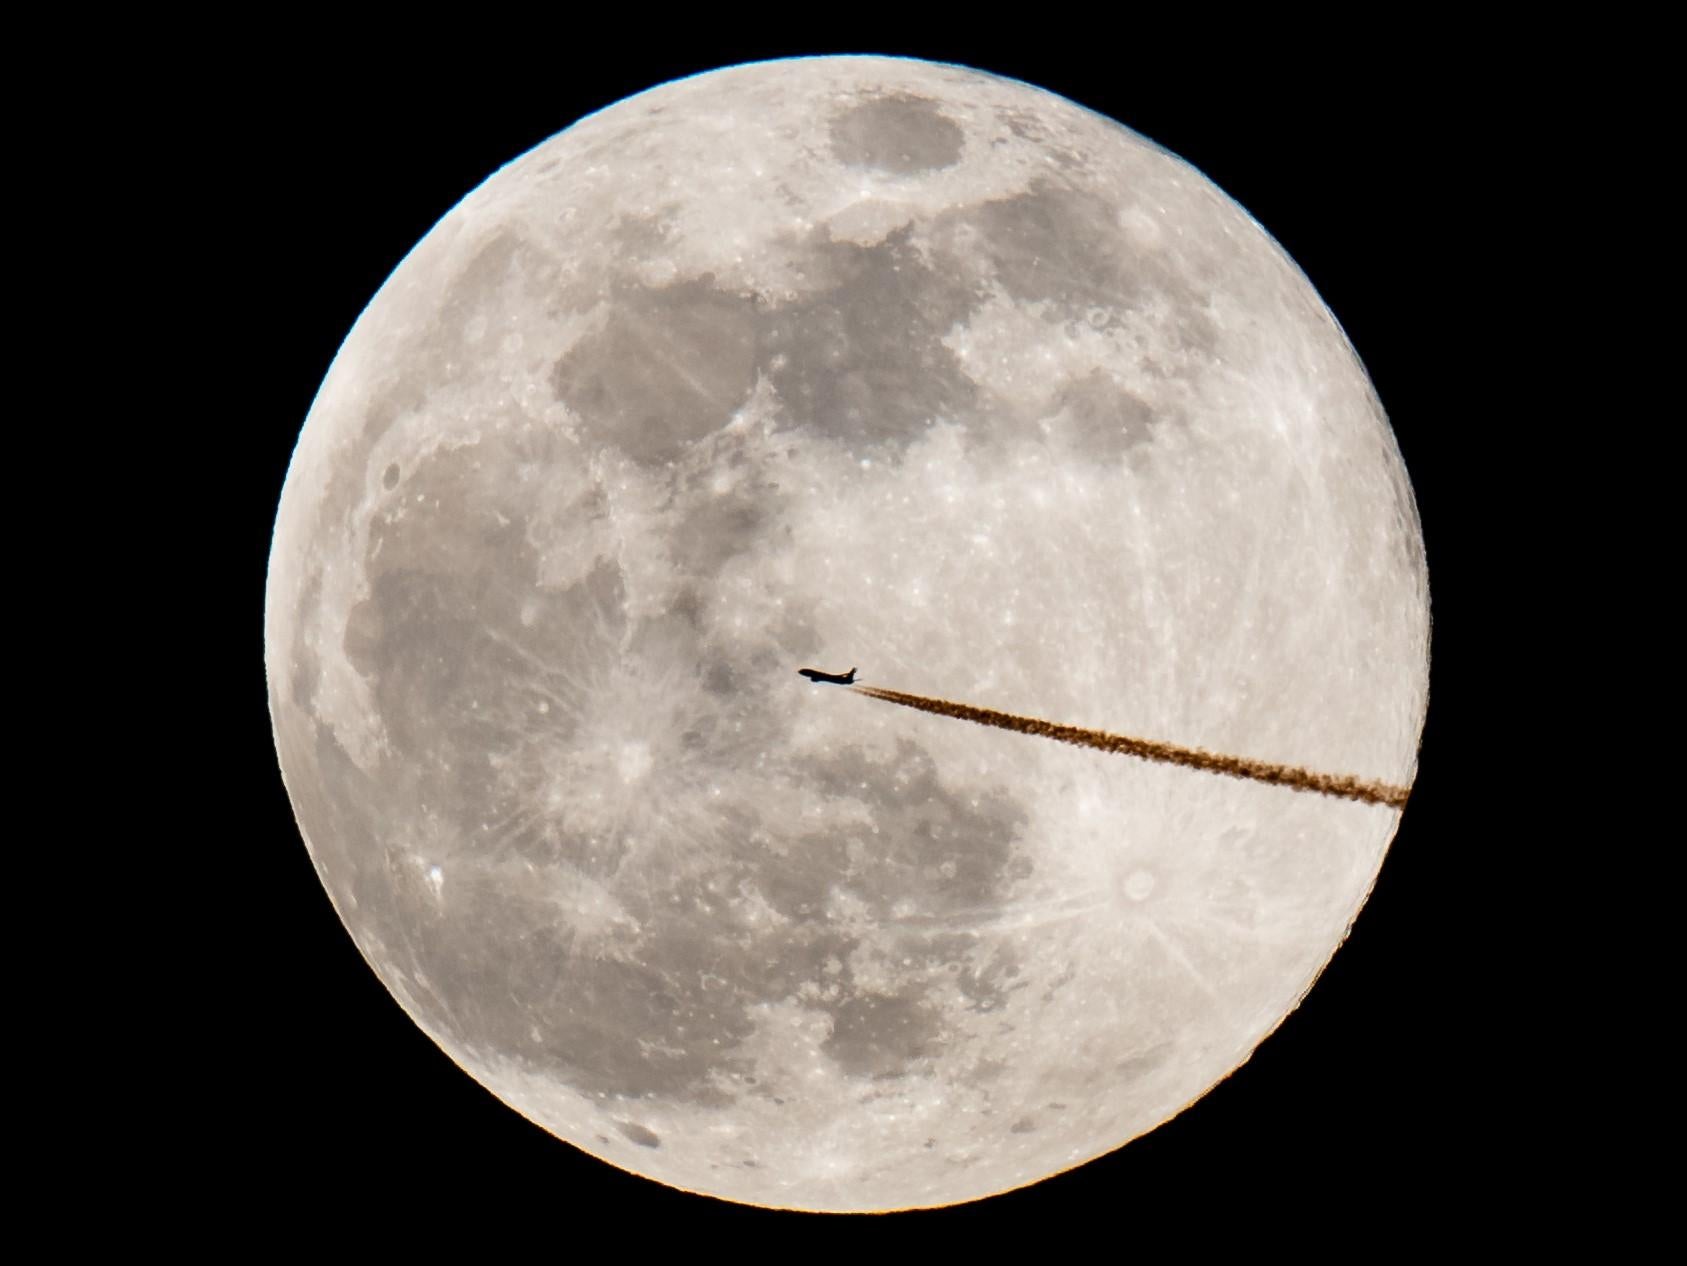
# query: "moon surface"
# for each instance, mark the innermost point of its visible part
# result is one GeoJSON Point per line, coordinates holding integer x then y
{"type": "Point", "coordinates": [834, 362]}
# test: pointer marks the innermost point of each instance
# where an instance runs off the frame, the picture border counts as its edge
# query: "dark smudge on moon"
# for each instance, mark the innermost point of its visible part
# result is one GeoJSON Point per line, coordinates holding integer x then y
{"type": "Point", "coordinates": [904, 135]}
{"type": "Point", "coordinates": [638, 1134]}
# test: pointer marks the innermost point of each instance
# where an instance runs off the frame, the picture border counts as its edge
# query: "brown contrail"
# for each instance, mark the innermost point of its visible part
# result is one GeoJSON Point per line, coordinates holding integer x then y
{"type": "Point", "coordinates": [1342, 785]}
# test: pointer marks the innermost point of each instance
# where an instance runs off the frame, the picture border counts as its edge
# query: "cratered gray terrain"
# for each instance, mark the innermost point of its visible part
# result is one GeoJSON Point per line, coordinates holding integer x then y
{"type": "Point", "coordinates": [833, 362]}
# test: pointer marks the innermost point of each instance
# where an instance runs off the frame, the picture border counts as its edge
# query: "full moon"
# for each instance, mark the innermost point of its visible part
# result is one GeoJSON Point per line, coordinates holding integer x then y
{"type": "Point", "coordinates": [835, 362]}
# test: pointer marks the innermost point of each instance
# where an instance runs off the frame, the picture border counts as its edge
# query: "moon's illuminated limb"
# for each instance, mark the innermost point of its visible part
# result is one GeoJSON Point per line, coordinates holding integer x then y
{"type": "Point", "coordinates": [1343, 786]}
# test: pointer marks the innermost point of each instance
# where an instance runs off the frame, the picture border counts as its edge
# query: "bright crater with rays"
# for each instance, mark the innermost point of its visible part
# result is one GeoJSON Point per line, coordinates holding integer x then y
{"type": "Point", "coordinates": [843, 362]}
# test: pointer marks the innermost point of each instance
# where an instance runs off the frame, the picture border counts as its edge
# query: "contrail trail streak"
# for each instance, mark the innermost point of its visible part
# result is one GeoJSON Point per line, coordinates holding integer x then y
{"type": "Point", "coordinates": [1297, 779]}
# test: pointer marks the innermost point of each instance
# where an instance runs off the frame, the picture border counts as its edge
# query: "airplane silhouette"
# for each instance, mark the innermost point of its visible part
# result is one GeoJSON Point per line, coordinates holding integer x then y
{"type": "Point", "coordinates": [835, 679]}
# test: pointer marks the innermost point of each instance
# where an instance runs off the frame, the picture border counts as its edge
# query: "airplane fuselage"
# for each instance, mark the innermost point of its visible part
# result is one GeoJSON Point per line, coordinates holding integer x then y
{"type": "Point", "coordinates": [831, 679]}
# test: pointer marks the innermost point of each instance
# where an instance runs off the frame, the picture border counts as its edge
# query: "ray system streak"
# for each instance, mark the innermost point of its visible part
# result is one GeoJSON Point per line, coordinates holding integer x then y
{"type": "Point", "coordinates": [1340, 785]}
